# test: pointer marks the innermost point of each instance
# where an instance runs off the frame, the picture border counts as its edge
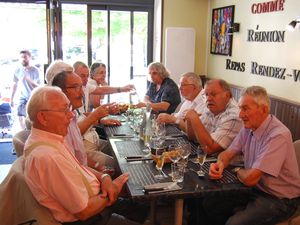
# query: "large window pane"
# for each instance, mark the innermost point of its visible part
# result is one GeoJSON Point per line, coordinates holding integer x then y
{"type": "Point", "coordinates": [120, 52]}
{"type": "Point", "coordinates": [140, 36]}
{"type": "Point", "coordinates": [99, 36]}
{"type": "Point", "coordinates": [23, 26]}
{"type": "Point", "coordinates": [74, 33]}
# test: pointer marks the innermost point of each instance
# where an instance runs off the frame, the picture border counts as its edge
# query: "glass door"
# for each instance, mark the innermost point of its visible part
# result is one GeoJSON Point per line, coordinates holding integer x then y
{"type": "Point", "coordinates": [119, 38]}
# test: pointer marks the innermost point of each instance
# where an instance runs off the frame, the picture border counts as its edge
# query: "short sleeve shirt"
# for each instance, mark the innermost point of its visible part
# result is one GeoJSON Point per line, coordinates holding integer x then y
{"type": "Point", "coordinates": [54, 177]}
{"type": "Point", "coordinates": [168, 92]}
{"type": "Point", "coordinates": [198, 104]}
{"type": "Point", "coordinates": [25, 87]}
{"type": "Point", "coordinates": [270, 149]}
{"type": "Point", "coordinates": [225, 126]}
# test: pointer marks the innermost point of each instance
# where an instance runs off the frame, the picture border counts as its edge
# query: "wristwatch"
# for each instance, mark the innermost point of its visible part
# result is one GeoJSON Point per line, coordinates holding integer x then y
{"type": "Point", "coordinates": [236, 169]}
{"type": "Point", "coordinates": [103, 176]}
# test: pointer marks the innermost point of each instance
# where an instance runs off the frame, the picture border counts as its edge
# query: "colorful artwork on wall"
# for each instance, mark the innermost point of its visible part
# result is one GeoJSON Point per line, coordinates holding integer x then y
{"type": "Point", "coordinates": [221, 30]}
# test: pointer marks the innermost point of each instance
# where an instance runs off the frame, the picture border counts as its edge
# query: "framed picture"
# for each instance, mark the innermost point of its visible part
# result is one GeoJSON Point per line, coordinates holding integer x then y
{"type": "Point", "coordinates": [221, 38]}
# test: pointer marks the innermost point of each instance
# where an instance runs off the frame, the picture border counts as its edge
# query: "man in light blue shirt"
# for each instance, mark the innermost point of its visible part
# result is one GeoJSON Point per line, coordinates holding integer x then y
{"type": "Point", "coordinates": [270, 165]}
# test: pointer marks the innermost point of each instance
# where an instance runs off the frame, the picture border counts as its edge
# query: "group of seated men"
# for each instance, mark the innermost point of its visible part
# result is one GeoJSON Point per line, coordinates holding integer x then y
{"type": "Point", "coordinates": [60, 152]}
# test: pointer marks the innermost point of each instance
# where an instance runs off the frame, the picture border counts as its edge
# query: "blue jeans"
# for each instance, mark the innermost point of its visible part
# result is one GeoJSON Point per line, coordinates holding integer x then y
{"type": "Point", "coordinates": [255, 208]}
{"type": "Point", "coordinates": [263, 209]}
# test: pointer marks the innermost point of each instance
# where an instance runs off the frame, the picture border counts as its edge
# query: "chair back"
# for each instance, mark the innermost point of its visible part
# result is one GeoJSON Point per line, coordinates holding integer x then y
{"type": "Point", "coordinates": [17, 204]}
{"type": "Point", "coordinates": [19, 140]}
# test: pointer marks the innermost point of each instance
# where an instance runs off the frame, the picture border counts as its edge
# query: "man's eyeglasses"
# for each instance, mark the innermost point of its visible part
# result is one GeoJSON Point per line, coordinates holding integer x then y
{"type": "Point", "coordinates": [75, 87]}
{"type": "Point", "coordinates": [66, 111]}
{"type": "Point", "coordinates": [184, 85]}
{"type": "Point", "coordinates": [213, 94]}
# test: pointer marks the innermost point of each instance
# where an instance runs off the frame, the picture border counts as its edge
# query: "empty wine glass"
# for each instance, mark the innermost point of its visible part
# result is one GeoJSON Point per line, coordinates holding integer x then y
{"type": "Point", "coordinates": [161, 134]}
{"type": "Point", "coordinates": [184, 152]}
{"type": "Point", "coordinates": [160, 159]}
{"type": "Point", "coordinates": [201, 156]}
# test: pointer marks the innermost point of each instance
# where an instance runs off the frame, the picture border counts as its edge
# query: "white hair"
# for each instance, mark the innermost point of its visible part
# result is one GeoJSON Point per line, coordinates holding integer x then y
{"type": "Point", "coordinates": [55, 68]}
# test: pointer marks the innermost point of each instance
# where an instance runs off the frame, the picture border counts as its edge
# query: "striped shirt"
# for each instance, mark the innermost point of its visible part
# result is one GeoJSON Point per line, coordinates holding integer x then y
{"type": "Point", "coordinates": [225, 126]}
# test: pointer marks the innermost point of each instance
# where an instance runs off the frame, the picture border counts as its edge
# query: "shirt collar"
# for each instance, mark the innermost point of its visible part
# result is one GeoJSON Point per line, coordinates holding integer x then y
{"type": "Point", "coordinates": [258, 133]}
{"type": "Point", "coordinates": [46, 135]}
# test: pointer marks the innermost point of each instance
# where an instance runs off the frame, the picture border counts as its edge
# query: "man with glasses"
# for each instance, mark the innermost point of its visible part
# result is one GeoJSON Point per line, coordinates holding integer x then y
{"type": "Point", "coordinates": [74, 193]}
{"type": "Point", "coordinates": [191, 90]}
{"type": "Point", "coordinates": [61, 74]}
{"type": "Point", "coordinates": [220, 123]}
{"type": "Point", "coordinates": [214, 129]}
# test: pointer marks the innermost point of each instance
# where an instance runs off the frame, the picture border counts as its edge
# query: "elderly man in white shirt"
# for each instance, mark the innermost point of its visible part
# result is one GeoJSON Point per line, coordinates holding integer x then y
{"type": "Point", "coordinates": [190, 87]}
{"type": "Point", "coordinates": [220, 123]}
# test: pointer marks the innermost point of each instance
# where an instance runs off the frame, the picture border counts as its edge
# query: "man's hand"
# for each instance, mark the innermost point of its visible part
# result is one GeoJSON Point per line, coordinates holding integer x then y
{"type": "Point", "coordinates": [166, 118]}
{"type": "Point", "coordinates": [112, 189]}
{"type": "Point", "coordinates": [100, 112]}
{"type": "Point", "coordinates": [114, 109]}
{"type": "Point", "coordinates": [216, 170]}
{"type": "Point", "coordinates": [190, 114]}
{"type": "Point", "coordinates": [111, 122]}
{"type": "Point", "coordinates": [127, 88]}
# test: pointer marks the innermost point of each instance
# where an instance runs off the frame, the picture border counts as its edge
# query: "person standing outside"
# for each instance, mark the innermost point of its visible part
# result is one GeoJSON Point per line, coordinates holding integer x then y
{"type": "Point", "coordinates": [26, 77]}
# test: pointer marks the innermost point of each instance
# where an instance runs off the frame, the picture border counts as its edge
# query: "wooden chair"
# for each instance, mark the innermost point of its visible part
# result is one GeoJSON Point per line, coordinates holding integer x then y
{"type": "Point", "coordinates": [17, 204]}
{"type": "Point", "coordinates": [19, 140]}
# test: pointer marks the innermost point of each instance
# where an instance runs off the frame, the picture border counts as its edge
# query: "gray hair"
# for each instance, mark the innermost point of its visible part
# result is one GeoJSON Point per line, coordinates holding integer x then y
{"type": "Point", "coordinates": [193, 78]}
{"type": "Point", "coordinates": [223, 84]}
{"type": "Point", "coordinates": [95, 67]}
{"type": "Point", "coordinates": [39, 99]}
{"type": "Point", "coordinates": [78, 64]}
{"type": "Point", "coordinates": [160, 68]}
{"type": "Point", "coordinates": [259, 94]}
{"type": "Point", "coordinates": [55, 68]}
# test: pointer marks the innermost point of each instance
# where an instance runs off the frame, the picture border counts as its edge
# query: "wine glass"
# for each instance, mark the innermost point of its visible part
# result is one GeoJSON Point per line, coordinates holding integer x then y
{"type": "Point", "coordinates": [201, 156]}
{"type": "Point", "coordinates": [160, 159]}
{"type": "Point", "coordinates": [161, 133]}
{"type": "Point", "coordinates": [173, 154]}
{"type": "Point", "coordinates": [147, 139]}
{"type": "Point", "coordinates": [184, 152]}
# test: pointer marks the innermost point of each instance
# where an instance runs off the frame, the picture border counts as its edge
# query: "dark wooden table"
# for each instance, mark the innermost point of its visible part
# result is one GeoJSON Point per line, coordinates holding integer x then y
{"type": "Point", "coordinates": [142, 173]}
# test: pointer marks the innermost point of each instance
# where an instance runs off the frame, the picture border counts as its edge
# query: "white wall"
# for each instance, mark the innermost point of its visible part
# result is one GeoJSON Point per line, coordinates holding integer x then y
{"type": "Point", "coordinates": [284, 55]}
{"type": "Point", "coordinates": [179, 51]}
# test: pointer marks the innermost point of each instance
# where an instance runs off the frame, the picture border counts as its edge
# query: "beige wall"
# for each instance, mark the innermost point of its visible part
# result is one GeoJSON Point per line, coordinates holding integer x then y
{"type": "Point", "coordinates": [284, 55]}
{"type": "Point", "coordinates": [189, 13]}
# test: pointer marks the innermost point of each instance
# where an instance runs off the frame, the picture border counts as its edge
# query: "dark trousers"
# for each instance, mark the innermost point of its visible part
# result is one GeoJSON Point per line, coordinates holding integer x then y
{"type": "Point", "coordinates": [250, 208]}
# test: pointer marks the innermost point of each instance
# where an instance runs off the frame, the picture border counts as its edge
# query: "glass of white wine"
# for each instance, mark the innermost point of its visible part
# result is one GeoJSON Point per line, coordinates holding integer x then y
{"type": "Point", "coordinates": [201, 156]}
{"type": "Point", "coordinates": [160, 159]}
{"type": "Point", "coordinates": [147, 139]}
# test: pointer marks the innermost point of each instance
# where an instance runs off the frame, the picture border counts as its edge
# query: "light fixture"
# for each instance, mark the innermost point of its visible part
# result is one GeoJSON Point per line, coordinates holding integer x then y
{"type": "Point", "coordinates": [293, 24]}
{"type": "Point", "coordinates": [235, 28]}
